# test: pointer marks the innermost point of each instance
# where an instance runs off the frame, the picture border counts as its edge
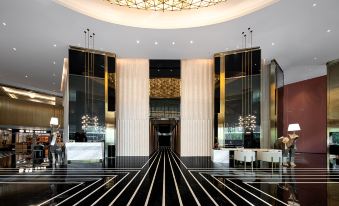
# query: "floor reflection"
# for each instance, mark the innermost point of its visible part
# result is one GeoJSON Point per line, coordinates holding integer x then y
{"type": "Point", "coordinates": [166, 178]}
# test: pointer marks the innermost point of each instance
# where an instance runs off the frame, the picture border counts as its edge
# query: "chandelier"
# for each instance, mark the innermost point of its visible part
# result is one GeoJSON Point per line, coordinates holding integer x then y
{"type": "Point", "coordinates": [89, 121]}
{"type": "Point", "coordinates": [247, 120]}
{"type": "Point", "coordinates": [166, 5]}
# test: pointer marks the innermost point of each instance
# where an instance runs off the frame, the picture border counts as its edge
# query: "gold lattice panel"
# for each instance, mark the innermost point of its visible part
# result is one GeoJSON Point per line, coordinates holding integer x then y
{"type": "Point", "coordinates": [165, 88]}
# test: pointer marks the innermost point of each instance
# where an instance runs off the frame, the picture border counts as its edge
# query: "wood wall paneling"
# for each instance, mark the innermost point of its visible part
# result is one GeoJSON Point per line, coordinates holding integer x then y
{"type": "Point", "coordinates": [24, 113]}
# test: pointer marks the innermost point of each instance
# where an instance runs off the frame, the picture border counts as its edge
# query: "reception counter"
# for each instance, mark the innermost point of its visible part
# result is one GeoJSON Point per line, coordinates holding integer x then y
{"type": "Point", "coordinates": [84, 151]}
{"type": "Point", "coordinates": [222, 155]}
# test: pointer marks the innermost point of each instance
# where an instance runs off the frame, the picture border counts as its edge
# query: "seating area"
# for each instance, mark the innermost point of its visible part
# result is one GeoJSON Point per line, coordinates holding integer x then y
{"type": "Point", "coordinates": [272, 156]}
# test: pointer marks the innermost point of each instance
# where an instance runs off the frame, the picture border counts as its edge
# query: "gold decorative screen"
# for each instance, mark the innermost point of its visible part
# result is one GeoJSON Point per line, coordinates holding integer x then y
{"type": "Point", "coordinates": [165, 88]}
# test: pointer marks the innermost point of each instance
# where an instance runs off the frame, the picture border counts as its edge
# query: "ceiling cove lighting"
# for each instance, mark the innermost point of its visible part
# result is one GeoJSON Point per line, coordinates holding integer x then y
{"type": "Point", "coordinates": [163, 15]}
{"type": "Point", "coordinates": [29, 94]}
{"type": "Point", "coordinates": [166, 5]}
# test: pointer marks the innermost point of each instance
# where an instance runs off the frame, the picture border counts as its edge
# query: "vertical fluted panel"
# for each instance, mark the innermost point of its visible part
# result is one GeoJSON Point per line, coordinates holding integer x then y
{"type": "Point", "coordinates": [132, 107]}
{"type": "Point", "coordinates": [196, 107]}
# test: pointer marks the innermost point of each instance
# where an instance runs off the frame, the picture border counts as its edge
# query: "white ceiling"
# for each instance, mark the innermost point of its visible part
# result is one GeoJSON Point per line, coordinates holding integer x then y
{"type": "Point", "coordinates": [298, 30]}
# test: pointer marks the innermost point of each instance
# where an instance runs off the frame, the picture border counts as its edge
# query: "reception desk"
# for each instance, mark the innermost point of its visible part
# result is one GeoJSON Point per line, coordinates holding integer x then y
{"type": "Point", "coordinates": [84, 151]}
{"type": "Point", "coordinates": [222, 155]}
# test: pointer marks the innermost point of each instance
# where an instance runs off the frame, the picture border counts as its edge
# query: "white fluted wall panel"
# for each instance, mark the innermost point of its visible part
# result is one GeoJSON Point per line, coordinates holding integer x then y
{"type": "Point", "coordinates": [196, 107]}
{"type": "Point", "coordinates": [132, 107]}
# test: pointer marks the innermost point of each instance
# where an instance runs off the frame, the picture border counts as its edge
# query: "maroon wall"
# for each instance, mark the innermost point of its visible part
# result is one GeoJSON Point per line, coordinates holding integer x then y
{"type": "Point", "coordinates": [305, 103]}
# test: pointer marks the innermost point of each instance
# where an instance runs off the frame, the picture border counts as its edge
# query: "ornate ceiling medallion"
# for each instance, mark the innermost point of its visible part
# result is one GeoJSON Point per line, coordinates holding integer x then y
{"type": "Point", "coordinates": [166, 5]}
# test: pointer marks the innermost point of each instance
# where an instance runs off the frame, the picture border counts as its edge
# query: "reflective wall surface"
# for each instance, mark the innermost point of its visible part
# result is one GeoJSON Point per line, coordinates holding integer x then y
{"type": "Point", "coordinates": [91, 93]}
{"type": "Point", "coordinates": [276, 107]}
{"type": "Point", "coordinates": [333, 112]}
{"type": "Point", "coordinates": [237, 94]}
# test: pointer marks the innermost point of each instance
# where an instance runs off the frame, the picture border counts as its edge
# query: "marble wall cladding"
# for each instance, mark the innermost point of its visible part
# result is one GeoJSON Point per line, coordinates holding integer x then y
{"type": "Point", "coordinates": [132, 107]}
{"type": "Point", "coordinates": [196, 107]}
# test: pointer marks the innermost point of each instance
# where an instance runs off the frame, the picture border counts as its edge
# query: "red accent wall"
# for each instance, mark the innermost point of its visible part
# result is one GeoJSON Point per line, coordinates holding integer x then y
{"type": "Point", "coordinates": [305, 103]}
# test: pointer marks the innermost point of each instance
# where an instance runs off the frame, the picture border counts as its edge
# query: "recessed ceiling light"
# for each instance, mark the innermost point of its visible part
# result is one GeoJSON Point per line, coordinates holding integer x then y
{"type": "Point", "coordinates": [26, 76]}
{"type": "Point", "coordinates": [158, 70]}
{"type": "Point", "coordinates": [79, 44]}
{"type": "Point", "coordinates": [14, 49]}
{"type": "Point", "coordinates": [54, 45]}
{"type": "Point", "coordinates": [191, 42]}
{"type": "Point", "coordinates": [314, 5]}
{"type": "Point", "coordinates": [329, 30]}
{"type": "Point", "coordinates": [171, 70]}
{"type": "Point", "coordinates": [54, 62]}
{"type": "Point", "coordinates": [273, 43]}
{"type": "Point", "coordinates": [138, 42]}
{"type": "Point", "coordinates": [173, 43]}
{"type": "Point", "coordinates": [4, 23]}
{"type": "Point", "coordinates": [156, 43]}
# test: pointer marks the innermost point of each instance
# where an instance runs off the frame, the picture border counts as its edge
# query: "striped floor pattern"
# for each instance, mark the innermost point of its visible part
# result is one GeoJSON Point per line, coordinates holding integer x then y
{"type": "Point", "coordinates": [164, 179]}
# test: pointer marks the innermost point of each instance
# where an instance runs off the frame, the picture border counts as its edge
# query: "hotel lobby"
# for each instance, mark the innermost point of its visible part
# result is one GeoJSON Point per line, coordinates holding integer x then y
{"type": "Point", "coordinates": [200, 102]}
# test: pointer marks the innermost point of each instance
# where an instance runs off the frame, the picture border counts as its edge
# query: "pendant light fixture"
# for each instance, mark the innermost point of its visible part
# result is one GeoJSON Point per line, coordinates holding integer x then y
{"type": "Point", "coordinates": [89, 121]}
{"type": "Point", "coordinates": [247, 120]}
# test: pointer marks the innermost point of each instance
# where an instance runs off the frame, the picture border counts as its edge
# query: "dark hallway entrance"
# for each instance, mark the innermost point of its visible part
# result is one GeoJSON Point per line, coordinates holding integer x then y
{"type": "Point", "coordinates": [164, 133]}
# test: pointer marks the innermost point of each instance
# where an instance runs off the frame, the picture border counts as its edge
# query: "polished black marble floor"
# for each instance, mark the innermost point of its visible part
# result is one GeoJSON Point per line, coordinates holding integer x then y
{"type": "Point", "coordinates": [166, 179]}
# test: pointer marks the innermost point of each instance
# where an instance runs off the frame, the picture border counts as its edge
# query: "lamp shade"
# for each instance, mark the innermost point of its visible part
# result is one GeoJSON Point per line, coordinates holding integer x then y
{"type": "Point", "coordinates": [54, 121]}
{"type": "Point", "coordinates": [293, 127]}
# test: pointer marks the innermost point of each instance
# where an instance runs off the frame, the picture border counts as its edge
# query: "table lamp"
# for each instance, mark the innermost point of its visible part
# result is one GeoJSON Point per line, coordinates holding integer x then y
{"type": "Point", "coordinates": [293, 127]}
{"type": "Point", "coordinates": [54, 121]}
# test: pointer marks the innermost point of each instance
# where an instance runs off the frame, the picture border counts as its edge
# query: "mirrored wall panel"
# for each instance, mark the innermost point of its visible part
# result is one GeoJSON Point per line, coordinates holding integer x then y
{"type": "Point", "coordinates": [91, 93]}
{"type": "Point", "coordinates": [237, 98]}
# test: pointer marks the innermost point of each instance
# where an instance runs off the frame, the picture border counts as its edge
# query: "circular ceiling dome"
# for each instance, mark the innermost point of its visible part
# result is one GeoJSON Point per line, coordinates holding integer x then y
{"type": "Point", "coordinates": [166, 5]}
{"type": "Point", "coordinates": [165, 14]}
